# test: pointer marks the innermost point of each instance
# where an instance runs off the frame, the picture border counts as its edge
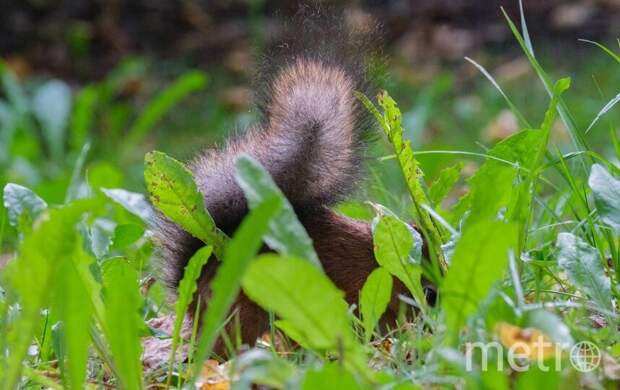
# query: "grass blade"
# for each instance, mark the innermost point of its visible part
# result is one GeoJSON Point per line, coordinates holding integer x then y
{"type": "Point", "coordinates": [225, 286]}
{"type": "Point", "coordinates": [186, 84]}
{"type": "Point", "coordinates": [123, 321]}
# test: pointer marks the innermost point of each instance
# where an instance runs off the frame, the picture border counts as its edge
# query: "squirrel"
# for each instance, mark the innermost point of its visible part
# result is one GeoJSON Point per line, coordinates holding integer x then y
{"type": "Point", "coordinates": [311, 139]}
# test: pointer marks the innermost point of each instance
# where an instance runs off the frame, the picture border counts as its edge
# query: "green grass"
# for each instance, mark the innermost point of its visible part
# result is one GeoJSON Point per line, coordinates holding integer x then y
{"type": "Point", "coordinates": [523, 238]}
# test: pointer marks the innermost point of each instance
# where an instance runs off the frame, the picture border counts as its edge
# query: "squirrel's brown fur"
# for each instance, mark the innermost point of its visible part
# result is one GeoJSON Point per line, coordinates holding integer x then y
{"type": "Point", "coordinates": [311, 140]}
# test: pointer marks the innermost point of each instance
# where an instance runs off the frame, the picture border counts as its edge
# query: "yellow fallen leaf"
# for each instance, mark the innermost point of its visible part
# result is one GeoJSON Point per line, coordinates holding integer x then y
{"type": "Point", "coordinates": [224, 385]}
{"type": "Point", "coordinates": [528, 342]}
{"type": "Point", "coordinates": [213, 377]}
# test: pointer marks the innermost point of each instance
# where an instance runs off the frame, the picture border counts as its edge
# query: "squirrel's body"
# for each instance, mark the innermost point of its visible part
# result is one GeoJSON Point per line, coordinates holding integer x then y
{"type": "Point", "coordinates": [311, 141]}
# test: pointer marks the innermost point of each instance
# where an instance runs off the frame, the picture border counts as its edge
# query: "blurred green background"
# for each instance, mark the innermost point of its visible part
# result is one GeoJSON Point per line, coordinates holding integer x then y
{"type": "Point", "coordinates": [125, 77]}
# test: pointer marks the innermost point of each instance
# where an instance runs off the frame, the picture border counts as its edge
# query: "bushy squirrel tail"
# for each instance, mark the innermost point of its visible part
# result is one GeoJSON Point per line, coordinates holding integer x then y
{"type": "Point", "coordinates": [311, 135]}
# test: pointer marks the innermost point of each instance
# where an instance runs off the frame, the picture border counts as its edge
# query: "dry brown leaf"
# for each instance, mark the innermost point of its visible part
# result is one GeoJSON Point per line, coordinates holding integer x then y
{"type": "Point", "coordinates": [156, 353]}
{"type": "Point", "coordinates": [155, 350]}
{"type": "Point", "coordinates": [165, 324]}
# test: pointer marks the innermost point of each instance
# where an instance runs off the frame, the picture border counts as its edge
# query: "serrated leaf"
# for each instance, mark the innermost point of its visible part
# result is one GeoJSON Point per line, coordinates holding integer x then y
{"type": "Point", "coordinates": [391, 122]}
{"type": "Point", "coordinates": [286, 234]}
{"type": "Point", "coordinates": [172, 191]}
{"type": "Point", "coordinates": [606, 190]}
{"type": "Point", "coordinates": [131, 201]}
{"type": "Point", "coordinates": [20, 200]}
{"type": "Point", "coordinates": [374, 299]}
{"type": "Point", "coordinates": [583, 265]}
{"type": "Point", "coordinates": [480, 260]}
{"type": "Point", "coordinates": [394, 242]}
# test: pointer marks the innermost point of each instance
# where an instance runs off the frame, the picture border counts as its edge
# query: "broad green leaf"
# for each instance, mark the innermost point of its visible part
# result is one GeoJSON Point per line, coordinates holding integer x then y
{"type": "Point", "coordinates": [480, 260]}
{"type": "Point", "coordinates": [131, 201]}
{"type": "Point", "coordinates": [122, 320]}
{"type": "Point", "coordinates": [355, 209]}
{"type": "Point", "coordinates": [536, 377]}
{"type": "Point", "coordinates": [519, 209]}
{"type": "Point", "coordinates": [304, 297]}
{"type": "Point", "coordinates": [225, 286]}
{"type": "Point", "coordinates": [51, 105]}
{"type": "Point", "coordinates": [125, 235]}
{"type": "Point", "coordinates": [172, 191]}
{"type": "Point", "coordinates": [394, 244]}
{"type": "Point", "coordinates": [374, 299]}
{"type": "Point", "coordinates": [104, 174]}
{"type": "Point", "coordinates": [606, 190]}
{"type": "Point", "coordinates": [498, 173]}
{"type": "Point", "coordinates": [286, 234]}
{"type": "Point", "coordinates": [20, 200]}
{"type": "Point", "coordinates": [185, 294]}
{"type": "Point", "coordinates": [261, 368]}
{"type": "Point", "coordinates": [330, 376]}
{"type": "Point", "coordinates": [444, 183]}
{"type": "Point", "coordinates": [162, 103]}
{"type": "Point", "coordinates": [585, 270]}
